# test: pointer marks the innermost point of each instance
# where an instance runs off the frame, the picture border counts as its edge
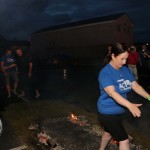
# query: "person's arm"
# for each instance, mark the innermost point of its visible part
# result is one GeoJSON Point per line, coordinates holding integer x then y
{"type": "Point", "coordinates": [2, 67]}
{"type": "Point", "coordinates": [139, 90]}
{"type": "Point", "coordinates": [140, 62]}
{"type": "Point", "coordinates": [7, 67]}
{"type": "Point", "coordinates": [30, 69]}
{"type": "Point", "coordinates": [133, 108]}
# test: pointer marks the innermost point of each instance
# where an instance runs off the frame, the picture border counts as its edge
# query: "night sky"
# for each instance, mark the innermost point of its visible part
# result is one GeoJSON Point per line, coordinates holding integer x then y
{"type": "Point", "coordinates": [20, 18]}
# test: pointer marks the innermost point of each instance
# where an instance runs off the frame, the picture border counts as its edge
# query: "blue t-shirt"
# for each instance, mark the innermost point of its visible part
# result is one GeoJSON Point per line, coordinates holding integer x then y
{"type": "Point", "coordinates": [121, 79]}
{"type": "Point", "coordinates": [9, 60]}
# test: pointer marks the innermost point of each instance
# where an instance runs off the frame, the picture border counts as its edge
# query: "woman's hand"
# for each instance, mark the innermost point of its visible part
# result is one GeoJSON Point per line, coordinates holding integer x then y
{"type": "Point", "coordinates": [133, 108]}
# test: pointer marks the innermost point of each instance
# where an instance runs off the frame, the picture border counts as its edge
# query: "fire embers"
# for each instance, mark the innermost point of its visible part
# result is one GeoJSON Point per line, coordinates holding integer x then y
{"type": "Point", "coordinates": [92, 129]}
{"type": "Point", "coordinates": [83, 122]}
{"type": "Point", "coordinates": [79, 120]}
{"type": "Point", "coordinates": [45, 139]}
{"type": "Point", "coordinates": [42, 138]}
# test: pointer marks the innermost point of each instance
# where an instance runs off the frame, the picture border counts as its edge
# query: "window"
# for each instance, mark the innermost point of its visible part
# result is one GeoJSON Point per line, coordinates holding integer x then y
{"type": "Point", "coordinates": [119, 28]}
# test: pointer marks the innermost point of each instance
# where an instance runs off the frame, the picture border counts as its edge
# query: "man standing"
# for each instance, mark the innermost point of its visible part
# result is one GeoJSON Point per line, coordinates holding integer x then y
{"type": "Point", "coordinates": [8, 67]}
{"type": "Point", "coordinates": [25, 69]}
{"type": "Point", "coordinates": [133, 60]}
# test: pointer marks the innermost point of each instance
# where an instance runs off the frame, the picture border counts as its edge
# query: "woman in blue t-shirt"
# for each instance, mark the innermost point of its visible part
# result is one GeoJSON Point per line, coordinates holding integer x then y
{"type": "Point", "coordinates": [115, 81]}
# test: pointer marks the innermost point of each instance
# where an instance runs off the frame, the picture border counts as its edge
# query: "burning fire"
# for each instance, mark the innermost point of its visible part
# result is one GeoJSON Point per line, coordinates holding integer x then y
{"type": "Point", "coordinates": [79, 120]}
{"type": "Point", "coordinates": [73, 118]}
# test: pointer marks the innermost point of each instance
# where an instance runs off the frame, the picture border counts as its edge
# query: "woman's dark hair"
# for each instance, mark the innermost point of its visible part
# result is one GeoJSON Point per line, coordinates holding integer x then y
{"type": "Point", "coordinates": [116, 49]}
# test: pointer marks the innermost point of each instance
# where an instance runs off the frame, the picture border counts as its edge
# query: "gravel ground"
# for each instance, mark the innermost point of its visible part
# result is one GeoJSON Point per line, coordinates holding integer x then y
{"type": "Point", "coordinates": [71, 136]}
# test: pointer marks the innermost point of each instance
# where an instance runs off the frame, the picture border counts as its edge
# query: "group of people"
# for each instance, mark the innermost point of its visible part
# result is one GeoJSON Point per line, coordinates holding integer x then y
{"type": "Point", "coordinates": [18, 70]}
{"type": "Point", "coordinates": [115, 81]}
{"type": "Point", "coordinates": [117, 77]}
{"type": "Point", "coordinates": [138, 60]}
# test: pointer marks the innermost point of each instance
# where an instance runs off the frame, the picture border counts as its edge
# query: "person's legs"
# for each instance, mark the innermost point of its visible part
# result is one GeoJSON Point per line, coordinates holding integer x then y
{"type": "Point", "coordinates": [15, 79]}
{"type": "Point", "coordinates": [8, 90]}
{"type": "Point", "coordinates": [22, 81]}
{"type": "Point", "coordinates": [37, 93]}
{"type": "Point", "coordinates": [15, 87]}
{"type": "Point", "coordinates": [135, 72]}
{"type": "Point", "coordinates": [131, 68]}
{"type": "Point", "coordinates": [33, 81]}
{"type": "Point", "coordinates": [7, 80]}
{"type": "Point", "coordinates": [114, 128]}
{"type": "Point", "coordinates": [124, 145]}
{"type": "Point", "coordinates": [105, 140]}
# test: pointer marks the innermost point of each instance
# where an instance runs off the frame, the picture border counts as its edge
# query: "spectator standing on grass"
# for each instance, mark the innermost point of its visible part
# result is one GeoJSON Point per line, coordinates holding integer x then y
{"type": "Point", "coordinates": [9, 68]}
{"type": "Point", "coordinates": [133, 60]}
{"type": "Point", "coordinates": [26, 74]}
{"type": "Point", "coordinates": [115, 81]}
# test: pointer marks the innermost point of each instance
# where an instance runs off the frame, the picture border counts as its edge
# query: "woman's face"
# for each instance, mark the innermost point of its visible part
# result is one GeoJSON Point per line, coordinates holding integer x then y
{"type": "Point", "coordinates": [120, 60]}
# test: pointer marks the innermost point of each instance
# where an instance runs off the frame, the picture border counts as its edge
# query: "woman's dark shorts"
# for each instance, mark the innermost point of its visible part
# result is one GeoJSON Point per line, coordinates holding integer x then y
{"type": "Point", "coordinates": [113, 124]}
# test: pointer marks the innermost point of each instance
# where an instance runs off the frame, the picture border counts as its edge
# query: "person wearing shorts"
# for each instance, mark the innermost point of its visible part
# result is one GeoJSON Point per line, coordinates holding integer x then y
{"type": "Point", "coordinates": [116, 122]}
{"type": "Point", "coordinates": [9, 68]}
{"type": "Point", "coordinates": [115, 81]}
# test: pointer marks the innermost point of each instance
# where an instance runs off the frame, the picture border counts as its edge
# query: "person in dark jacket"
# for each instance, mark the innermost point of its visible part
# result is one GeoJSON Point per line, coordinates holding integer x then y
{"type": "Point", "coordinates": [25, 70]}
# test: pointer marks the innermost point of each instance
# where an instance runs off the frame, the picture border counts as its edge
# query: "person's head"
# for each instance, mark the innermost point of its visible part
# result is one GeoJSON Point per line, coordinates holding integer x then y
{"type": "Point", "coordinates": [132, 49]}
{"type": "Point", "coordinates": [118, 56]}
{"type": "Point", "coordinates": [144, 47]}
{"type": "Point", "coordinates": [19, 52]}
{"type": "Point", "coordinates": [8, 52]}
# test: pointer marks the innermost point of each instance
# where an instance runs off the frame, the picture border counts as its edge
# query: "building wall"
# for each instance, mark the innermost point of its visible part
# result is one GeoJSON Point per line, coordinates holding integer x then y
{"type": "Point", "coordinates": [83, 41]}
{"type": "Point", "coordinates": [124, 32]}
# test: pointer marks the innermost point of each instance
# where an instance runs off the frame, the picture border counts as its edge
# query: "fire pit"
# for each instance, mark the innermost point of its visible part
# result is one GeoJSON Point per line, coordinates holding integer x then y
{"type": "Point", "coordinates": [71, 133]}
